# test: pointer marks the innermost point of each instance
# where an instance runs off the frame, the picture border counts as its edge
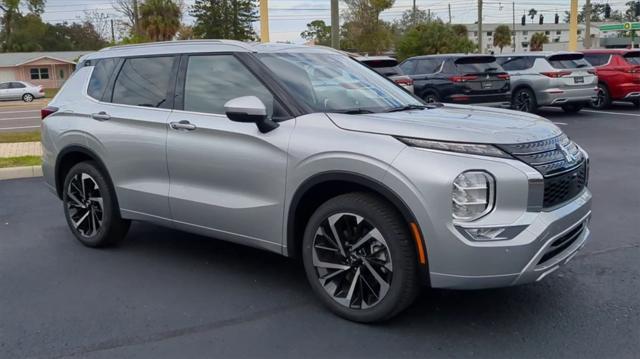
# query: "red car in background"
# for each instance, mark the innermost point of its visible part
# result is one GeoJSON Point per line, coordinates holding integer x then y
{"type": "Point", "coordinates": [618, 73]}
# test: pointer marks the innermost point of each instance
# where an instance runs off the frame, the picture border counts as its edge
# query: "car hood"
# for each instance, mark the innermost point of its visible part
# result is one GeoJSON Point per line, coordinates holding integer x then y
{"type": "Point", "coordinates": [456, 123]}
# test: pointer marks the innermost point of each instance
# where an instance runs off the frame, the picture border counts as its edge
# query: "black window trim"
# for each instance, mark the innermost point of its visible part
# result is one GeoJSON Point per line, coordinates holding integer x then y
{"type": "Point", "coordinates": [257, 69]}
{"type": "Point", "coordinates": [167, 105]}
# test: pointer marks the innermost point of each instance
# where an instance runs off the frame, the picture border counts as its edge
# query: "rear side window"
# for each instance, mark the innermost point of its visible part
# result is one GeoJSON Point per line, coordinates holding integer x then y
{"type": "Point", "coordinates": [428, 66]}
{"type": "Point", "coordinates": [476, 64]}
{"type": "Point", "coordinates": [17, 85]}
{"type": "Point", "coordinates": [100, 77]}
{"type": "Point", "coordinates": [633, 57]}
{"type": "Point", "coordinates": [568, 61]}
{"type": "Point", "coordinates": [143, 81]}
{"type": "Point", "coordinates": [408, 67]}
{"type": "Point", "coordinates": [213, 80]}
{"type": "Point", "coordinates": [518, 63]}
{"type": "Point", "coordinates": [388, 71]}
{"type": "Point", "coordinates": [597, 59]}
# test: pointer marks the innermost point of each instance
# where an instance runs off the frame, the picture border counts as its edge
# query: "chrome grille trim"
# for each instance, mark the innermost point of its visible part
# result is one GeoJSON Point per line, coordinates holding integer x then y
{"type": "Point", "coordinates": [548, 156]}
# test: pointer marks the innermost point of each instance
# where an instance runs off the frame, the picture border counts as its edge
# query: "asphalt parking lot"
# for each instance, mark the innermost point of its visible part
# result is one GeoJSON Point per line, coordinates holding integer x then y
{"type": "Point", "coordinates": [166, 294]}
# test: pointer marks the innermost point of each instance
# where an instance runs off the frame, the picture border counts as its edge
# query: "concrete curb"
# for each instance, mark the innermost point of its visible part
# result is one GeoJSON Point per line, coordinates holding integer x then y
{"type": "Point", "coordinates": [20, 172]}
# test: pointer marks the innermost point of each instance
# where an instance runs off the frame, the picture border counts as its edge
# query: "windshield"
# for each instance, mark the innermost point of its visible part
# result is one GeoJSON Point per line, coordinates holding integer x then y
{"type": "Point", "coordinates": [336, 83]}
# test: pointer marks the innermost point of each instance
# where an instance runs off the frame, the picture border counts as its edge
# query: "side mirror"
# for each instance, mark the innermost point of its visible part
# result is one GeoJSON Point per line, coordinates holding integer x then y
{"type": "Point", "coordinates": [250, 109]}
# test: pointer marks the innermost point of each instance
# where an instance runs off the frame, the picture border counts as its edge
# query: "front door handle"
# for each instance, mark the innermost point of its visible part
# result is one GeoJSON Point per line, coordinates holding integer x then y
{"type": "Point", "coordinates": [101, 116]}
{"type": "Point", "coordinates": [183, 125]}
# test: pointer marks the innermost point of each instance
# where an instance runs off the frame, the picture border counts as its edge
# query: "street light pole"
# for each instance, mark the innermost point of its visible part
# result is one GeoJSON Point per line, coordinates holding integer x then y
{"type": "Point", "coordinates": [335, 24]}
{"type": "Point", "coordinates": [573, 26]}
{"type": "Point", "coordinates": [480, 26]}
{"type": "Point", "coordinates": [264, 20]}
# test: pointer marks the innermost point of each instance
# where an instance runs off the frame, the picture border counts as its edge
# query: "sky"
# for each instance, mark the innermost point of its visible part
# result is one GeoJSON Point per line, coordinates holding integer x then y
{"type": "Point", "coordinates": [288, 18]}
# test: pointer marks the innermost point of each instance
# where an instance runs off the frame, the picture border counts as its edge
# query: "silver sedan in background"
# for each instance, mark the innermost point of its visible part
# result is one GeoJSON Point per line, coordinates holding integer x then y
{"type": "Point", "coordinates": [563, 79]}
{"type": "Point", "coordinates": [20, 90]}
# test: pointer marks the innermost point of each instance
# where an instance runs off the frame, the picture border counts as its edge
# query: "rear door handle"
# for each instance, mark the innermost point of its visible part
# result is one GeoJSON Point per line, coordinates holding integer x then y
{"type": "Point", "coordinates": [101, 116]}
{"type": "Point", "coordinates": [183, 125]}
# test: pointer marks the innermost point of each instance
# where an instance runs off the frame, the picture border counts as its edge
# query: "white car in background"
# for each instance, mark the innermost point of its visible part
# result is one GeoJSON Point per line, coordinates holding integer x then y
{"type": "Point", "coordinates": [20, 90]}
{"type": "Point", "coordinates": [388, 67]}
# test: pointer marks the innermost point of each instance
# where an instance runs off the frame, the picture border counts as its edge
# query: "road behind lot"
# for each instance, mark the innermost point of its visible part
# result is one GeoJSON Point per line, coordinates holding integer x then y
{"type": "Point", "coordinates": [19, 116]}
{"type": "Point", "coordinates": [166, 294]}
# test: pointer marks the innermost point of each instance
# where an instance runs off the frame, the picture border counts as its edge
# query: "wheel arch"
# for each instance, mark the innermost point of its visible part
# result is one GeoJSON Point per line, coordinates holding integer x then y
{"type": "Point", "coordinates": [321, 187]}
{"type": "Point", "coordinates": [69, 157]}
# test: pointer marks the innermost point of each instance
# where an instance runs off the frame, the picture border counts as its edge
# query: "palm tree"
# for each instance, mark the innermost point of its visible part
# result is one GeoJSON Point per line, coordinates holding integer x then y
{"type": "Point", "coordinates": [532, 14]}
{"type": "Point", "coordinates": [538, 40]}
{"type": "Point", "coordinates": [502, 37]}
{"type": "Point", "coordinates": [160, 19]}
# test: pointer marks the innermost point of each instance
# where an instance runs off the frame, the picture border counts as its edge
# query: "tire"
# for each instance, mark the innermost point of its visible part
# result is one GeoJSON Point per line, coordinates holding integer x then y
{"type": "Point", "coordinates": [636, 103]}
{"type": "Point", "coordinates": [91, 210]}
{"type": "Point", "coordinates": [572, 107]}
{"type": "Point", "coordinates": [524, 100]}
{"type": "Point", "coordinates": [395, 262]}
{"type": "Point", "coordinates": [431, 97]}
{"type": "Point", "coordinates": [603, 98]}
{"type": "Point", "coordinates": [27, 97]}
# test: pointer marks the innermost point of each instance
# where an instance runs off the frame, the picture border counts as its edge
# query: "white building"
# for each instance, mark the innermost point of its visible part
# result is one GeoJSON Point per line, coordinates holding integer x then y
{"type": "Point", "coordinates": [558, 35]}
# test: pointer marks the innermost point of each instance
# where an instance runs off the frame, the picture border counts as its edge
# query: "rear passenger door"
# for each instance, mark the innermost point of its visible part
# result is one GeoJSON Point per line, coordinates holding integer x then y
{"type": "Point", "coordinates": [227, 178]}
{"type": "Point", "coordinates": [129, 128]}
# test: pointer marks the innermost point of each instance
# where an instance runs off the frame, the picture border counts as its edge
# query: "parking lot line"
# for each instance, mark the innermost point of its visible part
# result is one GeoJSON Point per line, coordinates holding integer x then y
{"type": "Point", "coordinates": [613, 113]}
{"type": "Point", "coordinates": [560, 123]}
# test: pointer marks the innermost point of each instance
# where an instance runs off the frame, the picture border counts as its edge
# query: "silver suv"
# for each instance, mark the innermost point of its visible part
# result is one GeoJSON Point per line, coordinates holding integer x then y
{"type": "Point", "coordinates": [307, 153]}
{"type": "Point", "coordinates": [563, 79]}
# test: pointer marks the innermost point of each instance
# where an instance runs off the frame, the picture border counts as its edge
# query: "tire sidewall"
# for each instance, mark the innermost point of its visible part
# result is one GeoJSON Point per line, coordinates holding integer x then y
{"type": "Point", "coordinates": [388, 304]}
{"type": "Point", "coordinates": [108, 210]}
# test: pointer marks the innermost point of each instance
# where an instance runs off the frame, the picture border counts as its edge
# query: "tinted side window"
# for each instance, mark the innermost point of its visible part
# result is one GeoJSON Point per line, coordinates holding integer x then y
{"type": "Point", "coordinates": [428, 66]}
{"type": "Point", "coordinates": [143, 81]}
{"type": "Point", "coordinates": [597, 59]}
{"type": "Point", "coordinates": [4, 86]}
{"type": "Point", "coordinates": [100, 77]}
{"type": "Point", "coordinates": [213, 80]}
{"type": "Point", "coordinates": [514, 63]}
{"type": "Point", "coordinates": [17, 85]}
{"type": "Point", "coordinates": [408, 67]}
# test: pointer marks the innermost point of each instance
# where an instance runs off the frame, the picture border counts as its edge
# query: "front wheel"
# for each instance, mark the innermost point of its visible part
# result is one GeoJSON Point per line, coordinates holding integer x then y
{"type": "Point", "coordinates": [359, 258]}
{"type": "Point", "coordinates": [524, 100]}
{"type": "Point", "coordinates": [431, 98]}
{"type": "Point", "coordinates": [90, 207]}
{"type": "Point", "coordinates": [572, 107]}
{"type": "Point", "coordinates": [636, 103]}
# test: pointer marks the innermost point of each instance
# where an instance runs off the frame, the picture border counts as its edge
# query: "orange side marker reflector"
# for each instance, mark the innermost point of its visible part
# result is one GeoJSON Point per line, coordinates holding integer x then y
{"type": "Point", "coordinates": [415, 233]}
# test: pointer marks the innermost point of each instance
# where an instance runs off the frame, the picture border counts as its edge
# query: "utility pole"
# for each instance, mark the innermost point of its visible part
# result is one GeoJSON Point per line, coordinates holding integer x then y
{"type": "Point", "coordinates": [513, 9]}
{"type": "Point", "coordinates": [587, 23]}
{"type": "Point", "coordinates": [136, 19]}
{"type": "Point", "coordinates": [449, 13]}
{"type": "Point", "coordinates": [264, 20]}
{"type": "Point", "coordinates": [113, 33]}
{"type": "Point", "coordinates": [480, 26]}
{"type": "Point", "coordinates": [573, 26]}
{"type": "Point", "coordinates": [335, 25]}
{"type": "Point", "coordinates": [428, 15]}
{"type": "Point", "coordinates": [413, 13]}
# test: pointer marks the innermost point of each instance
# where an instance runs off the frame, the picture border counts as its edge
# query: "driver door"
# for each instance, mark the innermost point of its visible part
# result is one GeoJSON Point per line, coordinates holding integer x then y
{"type": "Point", "coordinates": [227, 179]}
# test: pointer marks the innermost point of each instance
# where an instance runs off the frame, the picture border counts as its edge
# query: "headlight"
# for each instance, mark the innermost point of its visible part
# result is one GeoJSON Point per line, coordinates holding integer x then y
{"type": "Point", "coordinates": [470, 148]}
{"type": "Point", "coordinates": [473, 195]}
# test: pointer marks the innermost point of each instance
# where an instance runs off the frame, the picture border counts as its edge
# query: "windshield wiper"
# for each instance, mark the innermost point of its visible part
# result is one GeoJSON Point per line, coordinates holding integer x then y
{"type": "Point", "coordinates": [353, 111]}
{"type": "Point", "coordinates": [409, 107]}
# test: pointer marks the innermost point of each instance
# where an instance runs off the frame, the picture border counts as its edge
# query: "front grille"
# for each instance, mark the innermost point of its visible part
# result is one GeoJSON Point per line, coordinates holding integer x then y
{"type": "Point", "coordinates": [563, 187]}
{"type": "Point", "coordinates": [561, 244]}
{"type": "Point", "coordinates": [561, 163]}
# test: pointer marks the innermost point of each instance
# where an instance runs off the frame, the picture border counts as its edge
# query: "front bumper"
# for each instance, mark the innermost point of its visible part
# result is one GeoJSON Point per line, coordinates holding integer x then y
{"type": "Point", "coordinates": [561, 96]}
{"type": "Point", "coordinates": [538, 241]}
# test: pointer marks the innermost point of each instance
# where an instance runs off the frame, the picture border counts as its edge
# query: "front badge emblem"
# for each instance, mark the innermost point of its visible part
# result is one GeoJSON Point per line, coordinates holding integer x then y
{"type": "Point", "coordinates": [567, 155]}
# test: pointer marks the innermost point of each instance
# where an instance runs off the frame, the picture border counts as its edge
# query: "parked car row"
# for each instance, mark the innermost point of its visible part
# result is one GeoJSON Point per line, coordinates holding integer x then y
{"type": "Point", "coordinates": [523, 81]}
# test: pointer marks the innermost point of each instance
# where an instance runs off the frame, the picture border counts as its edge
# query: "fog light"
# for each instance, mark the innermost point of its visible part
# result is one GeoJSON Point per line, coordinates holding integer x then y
{"type": "Point", "coordinates": [473, 195]}
{"type": "Point", "coordinates": [486, 234]}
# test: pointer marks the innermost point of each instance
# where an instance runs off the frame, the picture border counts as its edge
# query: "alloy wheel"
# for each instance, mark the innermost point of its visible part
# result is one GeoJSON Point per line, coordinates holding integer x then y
{"type": "Point", "coordinates": [600, 99]}
{"type": "Point", "coordinates": [27, 97]}
{"type": "Point", "coordinates": [352, 261]}
{"type": "Point", "coordinates": [431, 99]}
{"type": "Point", "coordinates": [85, 204]}
{"type": "Point", "coordinates": [523, 101]}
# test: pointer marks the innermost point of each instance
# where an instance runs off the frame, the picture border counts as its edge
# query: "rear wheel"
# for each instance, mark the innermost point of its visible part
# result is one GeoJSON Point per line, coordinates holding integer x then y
{"type": "Point", "coordinates": [90, 207]}
{"type": "Point", "coordinates": [359, 258]}
{"type": "Point", "coordinates": [572, 107]}
{"type": "Point", "coordinates": [603, 98]}
{"type": "Point", "coordinates": [27, 97]}
{"type": "Point", "coordinates": [431, 97]}
{"type": "Point", "coordinates": [524, 100]}
{"type": "Point", "coordinates": [636, 103]}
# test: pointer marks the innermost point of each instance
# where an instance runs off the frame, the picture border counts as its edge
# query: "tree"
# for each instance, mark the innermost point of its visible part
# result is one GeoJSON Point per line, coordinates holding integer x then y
{"type": "Point", "coordinates": [224, 19]}
{"type": "Point", "coordinates": [434, 37]}
{"type": "Point", "coordinates": [502, 37]}
{"type": "Point", "coordinates": [409, 19]}
{"type": "Point", "coordinates": [185, 32]}
{"type": "Point", "coordinates": [532, 14]}
{"type": "Point", "coordinates": [460, 30]}
{"type": "Point", "coordinates": [318, 32]}
{"type": "Point", "coordinates": [537, 41]}
{"type": "Point", "coordinates": [160, 19]}
{"type": "Point", "coordinates": [127, 8]}
{"type": "Point", "coordinates": [100, 21]}
{"type": "Point", "coordinates": [363, 30]}
{"type": "Point", "coordinates": [11, 10]}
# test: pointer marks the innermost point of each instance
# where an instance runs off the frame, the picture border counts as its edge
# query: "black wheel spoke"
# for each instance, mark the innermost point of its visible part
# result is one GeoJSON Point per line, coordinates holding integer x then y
{"type": "Point", "coordinates": [85, 205]}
